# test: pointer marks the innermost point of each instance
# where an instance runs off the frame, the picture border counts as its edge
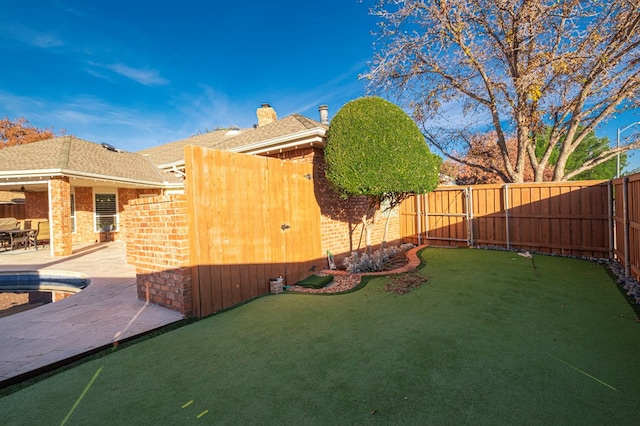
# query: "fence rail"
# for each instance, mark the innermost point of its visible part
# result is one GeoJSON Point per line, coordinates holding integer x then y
{"type": "Point", "coordinates": [571, 218]}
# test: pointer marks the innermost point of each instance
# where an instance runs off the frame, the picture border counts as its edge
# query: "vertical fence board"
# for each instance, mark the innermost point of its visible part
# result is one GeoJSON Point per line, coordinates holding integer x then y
{"type": "Point", "coordinates": [564, 218]}
{"type": "Point", "coordinates": [237, 204]}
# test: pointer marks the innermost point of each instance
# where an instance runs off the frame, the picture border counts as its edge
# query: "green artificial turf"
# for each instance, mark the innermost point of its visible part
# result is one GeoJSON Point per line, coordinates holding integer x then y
{"type": "Point", "coordinates": [492, 338]}
{"type": "Point", "coordinates": [315, 281]}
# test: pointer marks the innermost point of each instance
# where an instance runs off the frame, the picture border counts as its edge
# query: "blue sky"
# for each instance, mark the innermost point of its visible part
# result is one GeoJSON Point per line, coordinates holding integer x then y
{"type": "Point", "coordinates": [140, 73]}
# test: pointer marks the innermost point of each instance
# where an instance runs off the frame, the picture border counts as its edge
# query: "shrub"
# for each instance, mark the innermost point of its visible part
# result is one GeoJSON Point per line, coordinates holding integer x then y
{"type": "Point", "coordinates": [373, 262]}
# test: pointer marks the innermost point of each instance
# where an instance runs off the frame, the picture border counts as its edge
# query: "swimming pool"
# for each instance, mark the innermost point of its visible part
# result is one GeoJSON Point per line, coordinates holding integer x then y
{"type": "Point", "coordinates": [54, 281]}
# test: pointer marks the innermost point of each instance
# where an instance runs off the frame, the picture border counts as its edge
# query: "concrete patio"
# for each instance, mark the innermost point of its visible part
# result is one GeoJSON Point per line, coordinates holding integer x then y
{"type": "Point", "coordinates": [103, 314]}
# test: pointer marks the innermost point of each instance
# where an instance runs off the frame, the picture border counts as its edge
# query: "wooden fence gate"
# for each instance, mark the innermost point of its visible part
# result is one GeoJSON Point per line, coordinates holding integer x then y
{"type": "Point", "coordinates": [441, 217]}
{"type": "Point", "coordinates": [571, 218]}
{"type": "Point", "coordinates": [251, 218]}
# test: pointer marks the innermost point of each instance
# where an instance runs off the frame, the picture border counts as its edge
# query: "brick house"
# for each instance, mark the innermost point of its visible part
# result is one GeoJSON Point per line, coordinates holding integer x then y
{"type": "Point", "coordinates": [293, 138]}
{"type": "Point", "coordinates": [82, 187]}
{"type": "Point", "coordinates": [79, 186]}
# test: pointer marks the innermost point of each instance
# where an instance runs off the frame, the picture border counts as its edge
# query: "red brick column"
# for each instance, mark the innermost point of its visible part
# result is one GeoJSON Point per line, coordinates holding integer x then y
{"type": "Point", "coordinates": [157, 241]}
{"type": "Point", "coordinates": [60, 208]}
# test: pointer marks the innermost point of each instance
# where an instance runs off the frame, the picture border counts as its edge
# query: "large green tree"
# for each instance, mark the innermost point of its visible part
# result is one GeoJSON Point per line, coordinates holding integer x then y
{"type": "Point", "coordinates": [374, 149]}
{"type": "Point", "coordinates": [518, 65]}
{"type": "Point", "coordinates": [591, 147]}
{"type": "Point", "coordinates": [484, 155]}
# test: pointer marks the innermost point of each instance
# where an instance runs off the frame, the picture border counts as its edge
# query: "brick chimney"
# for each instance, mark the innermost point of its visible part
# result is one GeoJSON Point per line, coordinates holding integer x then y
{"type": "Point", "coordinates": [324, 114]}
{"type": "Point", "coordinates": [266, 115]}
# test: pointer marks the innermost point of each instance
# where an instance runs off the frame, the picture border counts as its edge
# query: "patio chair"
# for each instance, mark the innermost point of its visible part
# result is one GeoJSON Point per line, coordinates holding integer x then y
{"type": "Point", "coordinates": [7, 224]}
{"type": "Point", "coordinates": [42, 236]}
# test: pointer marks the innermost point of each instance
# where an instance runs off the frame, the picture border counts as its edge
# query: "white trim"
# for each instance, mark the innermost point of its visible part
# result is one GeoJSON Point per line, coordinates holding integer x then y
{"type": "Point", "coordinates": [48, 173]}
{"type": "Point", "coordinates": [313, 136]}
{"type": "Point", "coordinates": [306, 138]}
{"type": "Point", "coordinates": [52, 239]}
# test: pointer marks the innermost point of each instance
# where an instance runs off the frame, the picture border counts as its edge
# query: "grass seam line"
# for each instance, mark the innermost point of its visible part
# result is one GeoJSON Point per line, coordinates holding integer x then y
{"type": "Point", "coordinates": [583, 372]}
{"type": "Point", "coordinates": [81, 397]}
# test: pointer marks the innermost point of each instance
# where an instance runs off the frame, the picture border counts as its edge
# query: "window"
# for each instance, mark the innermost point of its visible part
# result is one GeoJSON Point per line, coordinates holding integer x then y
{"type": "Point", "coordinates": [73, 212]}
{"type": "Point", "coordinates": [106, 212]}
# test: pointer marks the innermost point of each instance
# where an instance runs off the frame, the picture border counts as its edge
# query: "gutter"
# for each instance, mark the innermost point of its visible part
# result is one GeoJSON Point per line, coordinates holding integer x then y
{"type": "Point", "coordinates": [47, 173]}
{"type": "Point", "coordinates": [317, 135]}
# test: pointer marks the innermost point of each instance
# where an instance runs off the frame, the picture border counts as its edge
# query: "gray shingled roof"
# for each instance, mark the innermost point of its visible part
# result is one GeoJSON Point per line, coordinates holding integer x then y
{"type": "Point", "coordinates": [174, 151]}
{"type": "Point", "coordinates": [77, 156]}
{"type": "Point", "coordinates": [289, 125]}
{"type": "Point", "coordinates": [221, 139]}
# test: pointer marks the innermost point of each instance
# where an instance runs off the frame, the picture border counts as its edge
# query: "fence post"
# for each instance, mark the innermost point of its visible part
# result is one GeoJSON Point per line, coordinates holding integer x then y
{"type": "Point", "coordinates": [611, 220]}
{"type": "Point", "coordinates": [469, 192]}
{"type": "Point", "coordinates": [506, 214]}
{"type": "Point", "coordinates": [419, 214]}
{"type": "Point", "coordinates": [625, 218]}
{"type": "Point", "coordinates": [426, 217]}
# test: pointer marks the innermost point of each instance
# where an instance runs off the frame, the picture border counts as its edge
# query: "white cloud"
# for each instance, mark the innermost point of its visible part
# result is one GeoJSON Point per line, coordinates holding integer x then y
{"type": "Point", "coordinates": [142, 76]}
{"type": "Point", "coordinates": [28, 35]}
{"type": "Point", "coordinates": [45, 41]}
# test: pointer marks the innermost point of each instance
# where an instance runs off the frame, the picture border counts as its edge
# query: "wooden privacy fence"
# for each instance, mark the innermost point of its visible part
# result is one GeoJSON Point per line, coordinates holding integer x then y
{"type": "Point", "coordinates": [250, 219]}
{"type": "Point", "coordinates": [570, 218]}
{"type": "Point", "coordinates": [627, 224]}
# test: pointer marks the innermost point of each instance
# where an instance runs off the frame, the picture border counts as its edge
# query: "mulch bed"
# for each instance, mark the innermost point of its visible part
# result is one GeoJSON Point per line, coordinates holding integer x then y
{"type": "Point", "coordinates": [342, 283]}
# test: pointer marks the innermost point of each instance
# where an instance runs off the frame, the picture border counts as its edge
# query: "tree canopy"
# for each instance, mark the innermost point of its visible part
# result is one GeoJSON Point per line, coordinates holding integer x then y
{"type": "Point", "coordinates": [20, 131]}
{"type": "Point", "coordinates": [516, 68]}
{"type": "Point", "coordinates": [485, 156]}
{"type": "Point", "coordinates": [375, 149]}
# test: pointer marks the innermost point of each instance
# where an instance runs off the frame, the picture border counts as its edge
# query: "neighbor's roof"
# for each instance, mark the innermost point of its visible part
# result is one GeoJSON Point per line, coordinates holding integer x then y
{"type": "Point", "coordinates": [71, 156]}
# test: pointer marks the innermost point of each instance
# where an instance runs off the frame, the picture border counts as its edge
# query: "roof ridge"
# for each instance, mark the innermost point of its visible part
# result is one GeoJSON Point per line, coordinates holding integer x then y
{"type": "Point", "coordinates": [65, 150]}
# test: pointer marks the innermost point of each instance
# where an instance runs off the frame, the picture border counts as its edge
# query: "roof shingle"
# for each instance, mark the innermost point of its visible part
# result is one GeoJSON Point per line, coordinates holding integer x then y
{"type": "Point", "coordinates": [76, 155]}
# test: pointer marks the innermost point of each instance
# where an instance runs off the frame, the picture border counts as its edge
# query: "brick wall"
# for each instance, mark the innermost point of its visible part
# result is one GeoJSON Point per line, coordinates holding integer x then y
{"type": "Point", "coordinates": [60, 219]}
{"type": "Point", "coordinates": [84, 215]}
{"type": "Point", "coordinates": [36, 205]}
{"type": "Point", "coordinates": [157, 241]}
{"type": "Point", "coordinates": [341, 220]}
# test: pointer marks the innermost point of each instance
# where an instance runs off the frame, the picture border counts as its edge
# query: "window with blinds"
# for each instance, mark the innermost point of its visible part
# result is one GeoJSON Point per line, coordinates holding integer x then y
{"type": "Point", "coordinates": [106, 212]}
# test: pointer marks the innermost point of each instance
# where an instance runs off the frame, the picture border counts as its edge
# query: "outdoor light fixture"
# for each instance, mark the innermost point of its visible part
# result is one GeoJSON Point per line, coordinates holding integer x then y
{"type": "Point", "coordinates": [618, 144]}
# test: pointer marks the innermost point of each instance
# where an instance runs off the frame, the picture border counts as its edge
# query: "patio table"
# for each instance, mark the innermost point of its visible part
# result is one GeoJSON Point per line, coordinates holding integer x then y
{"type": "Point", "coordinates": [16, 237]}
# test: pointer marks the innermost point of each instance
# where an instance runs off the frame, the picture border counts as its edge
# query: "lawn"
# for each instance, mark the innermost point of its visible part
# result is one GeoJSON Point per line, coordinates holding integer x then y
{"type": "Point", "coordinates": [491, 338]}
